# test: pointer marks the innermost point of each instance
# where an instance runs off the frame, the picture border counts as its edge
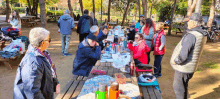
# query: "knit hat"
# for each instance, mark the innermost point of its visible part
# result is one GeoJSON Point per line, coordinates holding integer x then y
{"type": "Point", "coordinates": [92, 37]}
{"type": "Point", "coordinates": [196, 17]}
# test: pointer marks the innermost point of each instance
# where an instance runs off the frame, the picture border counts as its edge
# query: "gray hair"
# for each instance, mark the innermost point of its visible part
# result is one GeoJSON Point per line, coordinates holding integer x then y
{"type": "Point", "coordinates": [37, 35]}
{"type": "Point", "coordinates": [94, 29]}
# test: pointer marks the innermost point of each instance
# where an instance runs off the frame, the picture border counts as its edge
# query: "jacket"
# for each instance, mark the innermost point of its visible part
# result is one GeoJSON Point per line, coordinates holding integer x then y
{"type": "Point", "coordinates": [101, 36]}
{"type": "Point", "coordinates": [85, 58]}
{"type": "Point", "coordinates": [66, 24]}
{"type": "Point", "coordinates": [34, 77]}
{"type": "Point", "coordinates": [94, 21]}
{"type": "Point", "coordinates": [81, 28]}
{"type": "Point", "coordinates": [188, 51]}
{"type": "Point", "coordinates": [131, 34]}
{"type": "Point", "coordinates": [158, 43]}
{"type": "Point", "coordinates": [140, 51]}
{"type": "Point", "coordinates": [148, 38]}
{"type": "Point", "coordinates": [15, 23]}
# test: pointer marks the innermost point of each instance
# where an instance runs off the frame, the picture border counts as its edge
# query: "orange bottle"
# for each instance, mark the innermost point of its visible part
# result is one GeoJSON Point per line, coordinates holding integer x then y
{"type": "Point", "coordinates": [113, 91]}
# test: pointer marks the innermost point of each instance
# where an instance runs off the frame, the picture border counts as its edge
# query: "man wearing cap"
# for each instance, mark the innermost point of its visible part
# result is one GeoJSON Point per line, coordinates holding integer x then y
{"type": "Point", "coordinates": [66, 24]}
{"type": "Point", "coordinates": [140, 23]}
{"type": "Point", "coordinates": [87, 55]}
{"type": "Point", "coordinates": [186, 55]}
{"type": "Point", "coordinates": [94, 30]}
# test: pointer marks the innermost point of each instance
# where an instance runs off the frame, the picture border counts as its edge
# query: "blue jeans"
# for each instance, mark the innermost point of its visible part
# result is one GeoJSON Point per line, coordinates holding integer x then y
{"type": "Point", "coordinates": [65, 39]}
{"type": "Point", "coordinates": [157, 64]}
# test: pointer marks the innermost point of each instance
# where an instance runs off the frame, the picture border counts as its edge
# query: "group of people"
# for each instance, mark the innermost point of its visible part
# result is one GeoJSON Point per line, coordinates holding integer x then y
{"type": "Point", "coordinates": [36, 75]}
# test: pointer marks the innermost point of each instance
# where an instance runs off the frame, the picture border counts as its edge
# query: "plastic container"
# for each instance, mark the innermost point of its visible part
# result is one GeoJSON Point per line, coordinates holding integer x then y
{"type": "Point", "coordinates": [120, 78]}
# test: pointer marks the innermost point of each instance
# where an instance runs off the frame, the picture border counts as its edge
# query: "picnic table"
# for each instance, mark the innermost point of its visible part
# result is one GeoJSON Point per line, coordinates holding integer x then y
{"type": "Point", "coordinates": [179, 27]}
{"type": "Point", "coordinates": [53, 17]}
{"type": "Point", "coordinates": [5, 24]}
{"type": "Point", "coordinates": [29, 20]}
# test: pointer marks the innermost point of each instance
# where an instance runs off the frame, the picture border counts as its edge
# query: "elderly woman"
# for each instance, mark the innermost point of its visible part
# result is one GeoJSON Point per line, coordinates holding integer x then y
{"type": "Point", "coordinates": [36, 78]}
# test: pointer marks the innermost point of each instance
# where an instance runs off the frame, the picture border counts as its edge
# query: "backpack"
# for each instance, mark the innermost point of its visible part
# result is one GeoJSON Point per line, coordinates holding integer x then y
{"type": "Point", "coordinates": [85, 28]}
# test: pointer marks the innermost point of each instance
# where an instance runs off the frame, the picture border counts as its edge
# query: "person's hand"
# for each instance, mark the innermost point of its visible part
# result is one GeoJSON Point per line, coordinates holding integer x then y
{"type": "Point", "coordinates": [8, 20]}
{"type": "Point", "coordinates": [130, 41]}
{"type": "Point", "coordinates": [58, 89]}
{"type": "Point", "coordinates": [173, 63]}
{"type": "Point", "coordinates": [105, 31]}
{"type": "Point", "coordinates": [102, 52]}
{"type": "Point", "coordinates": [105, 41]}
{"type": "Point", "coordinates": [96, 44]}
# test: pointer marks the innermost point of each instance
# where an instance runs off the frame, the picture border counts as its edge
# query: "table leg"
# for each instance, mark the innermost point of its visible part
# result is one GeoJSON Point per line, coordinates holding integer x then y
{"type": "Point", "coordinates": [8, 66]}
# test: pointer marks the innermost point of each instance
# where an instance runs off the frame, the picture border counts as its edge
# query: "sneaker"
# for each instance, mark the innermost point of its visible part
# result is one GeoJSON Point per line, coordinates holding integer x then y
{"type": "Point", "coordinates": [67, 54]}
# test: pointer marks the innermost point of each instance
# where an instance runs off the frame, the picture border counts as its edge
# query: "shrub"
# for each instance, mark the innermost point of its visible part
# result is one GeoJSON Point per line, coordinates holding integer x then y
{"type": "Point", "coordinates": [19, 9]}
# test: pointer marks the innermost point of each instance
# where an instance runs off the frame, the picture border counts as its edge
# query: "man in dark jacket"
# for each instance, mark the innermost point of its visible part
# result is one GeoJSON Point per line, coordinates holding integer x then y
{"type": "Point", "coordinates": [84, 26]}
{"type": "Point", "coordinates": [93, 19]}
{"type": "Point", "coordinates": [103, 31]}
{"type": "Point", "coordinates": [66, 24]}
{"type": "Point", "coordinates": [131, 33]}
{"type": "Point", "coordinates": [87, 55]}
{"type": "Point", "coordinates": [186, 55]}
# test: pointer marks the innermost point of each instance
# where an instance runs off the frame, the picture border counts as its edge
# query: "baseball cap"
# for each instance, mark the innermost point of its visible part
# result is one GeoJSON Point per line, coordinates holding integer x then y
{"type": "Point", "coordinates": [141, 15]}
{"type": "Point", "coordinates": [196, 17]}
{"type": "Point", "coordinates": [92, 37]}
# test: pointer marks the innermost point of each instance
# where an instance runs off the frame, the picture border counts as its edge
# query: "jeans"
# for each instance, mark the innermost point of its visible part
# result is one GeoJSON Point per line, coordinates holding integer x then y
{"type": "Point", "coordinates": [157, 64]}
{"type": "Point", "coordinates": [82, 36]}
{"type": "Point", "coordinates": [65, 39]}
{"type": "Point", "coordinates": [180, 84]}
{"type": "Point", "coordinates": [148, 57]}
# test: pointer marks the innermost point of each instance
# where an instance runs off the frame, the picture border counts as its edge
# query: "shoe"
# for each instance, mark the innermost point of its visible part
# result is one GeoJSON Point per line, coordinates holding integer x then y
{"type": "Point", "coordinates": [157, 75]}
{"type": "Point", "coordinates": [67, 54]}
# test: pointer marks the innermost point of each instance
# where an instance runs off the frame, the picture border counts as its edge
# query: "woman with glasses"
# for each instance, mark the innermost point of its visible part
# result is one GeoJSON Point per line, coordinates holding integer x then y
{"type": "Point", "coordinates": [139, 49]}
{"type": "Point", "coordinates": [36, 76]}
{"type": "Point", "coordinates": [158, 45]}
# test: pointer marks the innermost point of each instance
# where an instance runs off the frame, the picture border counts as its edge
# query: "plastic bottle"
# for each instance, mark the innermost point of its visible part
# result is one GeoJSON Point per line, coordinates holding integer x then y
{"type": "Point", "coordinates": [102, 92]}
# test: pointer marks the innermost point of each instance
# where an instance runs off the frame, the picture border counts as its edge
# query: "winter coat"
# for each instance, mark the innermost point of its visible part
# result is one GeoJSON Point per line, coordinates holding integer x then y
{"type": "Point", "coordinates": [84, 24]}
{"type": "Point", "coordinates": [131, 34]}
{"type": "Point", "coordinates": [158, 43]}
{"type": "Point", "coordinates": [15, 23]}
{"type": "Point", "coordinates": [66, 24]}
{"type": "Point", "coordinates": [34, 78]}
{"type": "Point", "coordinates": [140, 51]}
{"type": "Point", "coordinates": [101, 36]}
{"type": "Point", "coordinates": [188, 51]}
{"type": "Point", "coordinates": [94, 21]}
{"type": "Point", "coordinates": [85, 58]}
{"type": "Point", "coordinates": [148, 38]}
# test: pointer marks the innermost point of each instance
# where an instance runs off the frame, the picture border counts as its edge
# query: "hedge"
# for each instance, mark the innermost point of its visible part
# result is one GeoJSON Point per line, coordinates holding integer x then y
{"type": "Point", "coordinates": [52, 12]}
{"type": "Point", "coordinates": [19, 9]}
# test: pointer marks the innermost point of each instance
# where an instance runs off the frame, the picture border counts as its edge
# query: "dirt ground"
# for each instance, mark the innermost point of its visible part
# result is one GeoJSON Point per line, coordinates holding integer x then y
{"type": "Point", "coordinates": [205, 83]}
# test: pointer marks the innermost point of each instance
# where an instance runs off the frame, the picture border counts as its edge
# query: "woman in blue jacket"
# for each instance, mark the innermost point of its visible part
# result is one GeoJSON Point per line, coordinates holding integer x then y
{"type": "Point", "coordinates": [148, 31]}
{"type": "Point", "coordinates": [139, 24]}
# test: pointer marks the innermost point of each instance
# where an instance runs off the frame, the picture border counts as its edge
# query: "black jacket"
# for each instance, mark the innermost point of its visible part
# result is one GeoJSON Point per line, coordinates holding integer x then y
{"type": "Point", "coordinates": [80, 23]}
{"type": "Point", "coordinates": [131, 34]}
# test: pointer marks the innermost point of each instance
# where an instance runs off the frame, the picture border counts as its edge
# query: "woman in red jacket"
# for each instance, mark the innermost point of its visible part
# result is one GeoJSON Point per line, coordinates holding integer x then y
{"type": "Point", "coordinates": [139, 49]}
{"type": "Point", "coordinates": [158, 45]}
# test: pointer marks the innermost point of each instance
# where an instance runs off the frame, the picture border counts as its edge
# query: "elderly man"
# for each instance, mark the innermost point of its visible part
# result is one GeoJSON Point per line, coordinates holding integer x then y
{"type": "Point", "coordinates": [94, 30]}
{"type": "Point", "coordinates": [35, 78]}
{"type": "Point", "coordinates": [66, 24]}
{"type": "Point", "coordinates": [84, 26]}
{"type": "Point", "coordinates": [87, 55]}
{"type": "Point", "coordinates": [93, 19]}
{"type": "Point", "coordinates": [186, 55]}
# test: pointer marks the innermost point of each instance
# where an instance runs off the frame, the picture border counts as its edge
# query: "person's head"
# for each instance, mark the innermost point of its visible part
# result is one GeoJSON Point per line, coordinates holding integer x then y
{"type": "Point", "coordinates": [15, 15]}
{"type": "Point", "coordinates": [40, 38]}
{"type": "Point", "coordinates": [132, 27]}
{"type": "Point", "coordinates": [92, 14]}
{"type": "Point", "coordinates": [195, 20]}
{"type": "Point", "coordinates": [141, 17]}
{"type": "Point", "coordinates": [133, 22]}
{"type": "Point", "coordinates": [138, 37]}
{"type": "Point", "coordinates": [86, 12]}
{"type": "Point", "coordinates": [94, 30]}
{"type": "Point", "coordinates": [148, 22]}
{"type": "Point", "coordinates": [105, 24]}
{"type": "Point", "coordinates": [159, 26]}
{"type": "Point", "coordinates": [92, 40]}
{"type": "Point", "coordinates": [66, 12]}
{"type": "Point", "coordinates": [104, 29]}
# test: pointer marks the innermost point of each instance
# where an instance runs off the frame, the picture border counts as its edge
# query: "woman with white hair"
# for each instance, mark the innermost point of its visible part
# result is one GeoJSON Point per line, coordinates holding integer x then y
{"type": "Point", "coordinates": [36, 76]}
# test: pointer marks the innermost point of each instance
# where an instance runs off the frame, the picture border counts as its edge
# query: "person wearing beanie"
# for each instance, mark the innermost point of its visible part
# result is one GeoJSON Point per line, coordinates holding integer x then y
{"type": "Point", "coordinates": [186, 55]}
{"type": "Point", "coordinates": [66, 25]}
{"type": "Point", "coordinates": [87, 55]}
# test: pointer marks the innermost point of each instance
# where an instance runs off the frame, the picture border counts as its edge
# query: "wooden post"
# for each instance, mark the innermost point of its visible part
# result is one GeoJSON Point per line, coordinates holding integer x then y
{"type": "Point", "coordinates": [109, 10]}
{"type": "Point", "coordinates": [139, 5]}
{"type": "Point", "coordinates": [93, 1]}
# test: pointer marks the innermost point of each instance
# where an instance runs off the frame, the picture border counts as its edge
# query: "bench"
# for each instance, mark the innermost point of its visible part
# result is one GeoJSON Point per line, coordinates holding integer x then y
{"type": "Point", "coordinates": [38, 20]}
{"type": "Point", "coordinates": [179, 27]}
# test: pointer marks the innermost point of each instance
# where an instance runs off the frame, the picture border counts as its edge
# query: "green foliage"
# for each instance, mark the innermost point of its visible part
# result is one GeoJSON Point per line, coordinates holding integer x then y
{"type": "Point", "coordinates": [52, 12]}
{"type": "Point", "coordinates": [19, 9]}
{"type": "Point", "coordinates": [87, 4]}
{"type": "Point", "coordinates": [163, 8]}
{"type": "Point", "coordinates": [205, 8]}
{"type": "Point", "coordinates": [210, 64]}
{"type": "Point", "coordinates": [181, 7]}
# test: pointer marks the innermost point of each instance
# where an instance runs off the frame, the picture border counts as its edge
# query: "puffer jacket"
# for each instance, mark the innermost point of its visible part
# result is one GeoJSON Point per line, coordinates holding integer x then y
{"type": "Point", "coordinates": [34, 79]}
{"type": "Point", "coordinates": [85, 59]}
{"type": "Point", "coordinates": [140, 51]}
{"type": "Point", "coordinates": [66, 24]}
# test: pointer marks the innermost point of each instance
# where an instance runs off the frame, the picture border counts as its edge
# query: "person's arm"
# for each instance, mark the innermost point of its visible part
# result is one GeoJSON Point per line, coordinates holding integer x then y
{"type": "Point", "coordinates": [14, 22]}
{"type": "Point", "coordinates": [79, 25]}
{"type": "Point", "coordinates": [130, 46]}
{"type": "Point", "coordinates": [147, 48]}
{"type": "Point", "coordinates": [73, 25]}
{"type": "Point", "coordinates": [33, 91]}
{"type": "Point", "coordinates": [187, 44]}
{"type": "Point", "coordinates": [151, 34]}
{"type": "Point", "coordinates": [163, 41]}
{"type": "Point", "coordinates": [139, 52]}
{"type": "Point", "coordinates": [58, 23]}
{"type": "Point", "coordinates": [137, 25]}
{"type": "Point", "coordinates": [93, 54]}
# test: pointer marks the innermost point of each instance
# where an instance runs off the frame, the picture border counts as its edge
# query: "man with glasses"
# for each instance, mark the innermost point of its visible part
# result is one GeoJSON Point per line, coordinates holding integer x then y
{"type": "Point", "coordinates": [186, 55]}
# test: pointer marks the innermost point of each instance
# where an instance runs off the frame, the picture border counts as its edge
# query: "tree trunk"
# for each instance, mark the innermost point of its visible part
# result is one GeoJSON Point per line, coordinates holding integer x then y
{"type": "Point", "coordinates": [93, 1]}
{"type": "Point", "coordinates": [34, 8]}
{"type": "Point", "coordinates": [212, 14]}
{"type": "Point", "coordinates": [125, 13]}
{"type": "Point", "coordinates": [7, 10]}
{"type": "Point", "coordinates": [135, 13]}
{"type": "Point", "coordinates": [81, 5]}
{"type": "Point", "coordinates": [109, 10]}
{"type": "Point", "coordinates": [198, 6]}
{"type": "Point", "coordinates": [101, 11]}
{"type": "Point", "coordinates": [151, 8]}
{"type": "Point", "coordinates": [29, 6]}
{"type": "Point", "coordinates": [191, 6]}
{"type": "Point", "coordinates": [139, 5]}
{"type": "Point", "coordinates": [70, 8]}
{"type": "Point", "coordinates": [144, 5]}
{"type": "Point", "coordinates": [171, 21]}
{"type": "Point", "coordinates": [43, 13]}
